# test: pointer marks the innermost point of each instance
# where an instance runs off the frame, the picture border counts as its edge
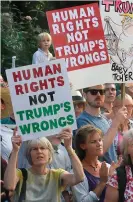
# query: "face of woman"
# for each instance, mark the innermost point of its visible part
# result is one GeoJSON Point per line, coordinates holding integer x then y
{"type": "Point", "coordinates": [128, 103]}
{"type": "Point", "coordinates": [94, 145]}
{"type": "Point", "coordinates": [39, 155]}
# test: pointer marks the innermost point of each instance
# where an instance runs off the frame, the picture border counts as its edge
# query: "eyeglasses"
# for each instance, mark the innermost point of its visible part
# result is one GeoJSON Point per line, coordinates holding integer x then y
{"type": "Point", "coordinates": [79, 105]}
{"type": "Point", "coordinates": [96, 91]}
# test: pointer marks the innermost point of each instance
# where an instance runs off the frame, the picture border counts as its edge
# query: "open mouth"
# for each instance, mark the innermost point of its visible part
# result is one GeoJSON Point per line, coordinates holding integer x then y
{"type": "Point", "coordinates": [39, 157]}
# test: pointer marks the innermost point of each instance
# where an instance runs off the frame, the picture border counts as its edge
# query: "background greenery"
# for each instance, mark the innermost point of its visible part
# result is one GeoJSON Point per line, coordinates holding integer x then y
{"type": "Point", "coordinates": [21, 22]}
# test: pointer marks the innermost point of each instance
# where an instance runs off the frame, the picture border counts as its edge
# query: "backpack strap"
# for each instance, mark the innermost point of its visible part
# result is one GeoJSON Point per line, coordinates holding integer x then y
{"type": "Point", "coordinates": [122, 180]}
{"type": "Point", "coordinates": [23, 188]}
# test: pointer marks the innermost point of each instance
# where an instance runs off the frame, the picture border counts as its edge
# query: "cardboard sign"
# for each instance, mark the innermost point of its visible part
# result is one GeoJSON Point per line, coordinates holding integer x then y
{"type": "Point", "coordinates": [41, 99]}
{"type": "Point", "coordinates": [78, 36]}
{"type": "Point", "coordinates": [117, 19]}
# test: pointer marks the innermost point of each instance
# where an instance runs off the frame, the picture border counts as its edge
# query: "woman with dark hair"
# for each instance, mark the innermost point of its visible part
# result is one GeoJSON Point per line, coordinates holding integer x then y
{"type": "Point", "coordinates": [89, 147]}
{"type": "Point", "coordinates": [114, 193]}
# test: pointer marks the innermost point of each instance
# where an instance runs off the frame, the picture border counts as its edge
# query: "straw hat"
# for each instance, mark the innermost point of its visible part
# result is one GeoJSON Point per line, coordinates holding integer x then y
{"type": "Point", "coordinates": [77, 97]}
{"type": "Point", "coordinates": [5, 96]}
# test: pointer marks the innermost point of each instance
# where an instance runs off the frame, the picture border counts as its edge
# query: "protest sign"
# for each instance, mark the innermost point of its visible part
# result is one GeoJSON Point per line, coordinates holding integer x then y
{"type": "Point", "coordinates": [41, 99]}
{"type": "Point", "coordinates": [117, 19]}
{"type": "Point", "coordinates": [78, 36]}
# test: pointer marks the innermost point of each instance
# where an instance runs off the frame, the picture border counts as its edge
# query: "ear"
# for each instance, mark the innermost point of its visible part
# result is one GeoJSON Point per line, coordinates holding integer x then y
{"type": "Point", "coordinates": [83, 146]}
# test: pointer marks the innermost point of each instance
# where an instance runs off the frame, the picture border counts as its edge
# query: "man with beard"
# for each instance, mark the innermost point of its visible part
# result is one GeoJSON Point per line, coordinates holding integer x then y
{"type": "Point", "coordinates": [92, 115]}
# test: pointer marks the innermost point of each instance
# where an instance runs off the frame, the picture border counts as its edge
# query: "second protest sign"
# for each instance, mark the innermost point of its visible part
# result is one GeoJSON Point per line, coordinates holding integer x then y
{"type": "Point", "coordinates": [41, 99]}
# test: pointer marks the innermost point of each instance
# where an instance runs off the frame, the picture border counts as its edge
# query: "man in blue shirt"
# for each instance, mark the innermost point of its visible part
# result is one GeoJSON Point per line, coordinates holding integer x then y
{"type": "Point", "coordinates": [92, 115]}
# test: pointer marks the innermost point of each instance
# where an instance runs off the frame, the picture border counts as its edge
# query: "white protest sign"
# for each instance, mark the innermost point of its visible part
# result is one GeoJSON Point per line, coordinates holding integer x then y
{"type": "Point", "coordinates": [78, 36]}
{"type": "Point", "coordinates": [41, 99]}
{"type": "Point", "coordinates": [117, 19]}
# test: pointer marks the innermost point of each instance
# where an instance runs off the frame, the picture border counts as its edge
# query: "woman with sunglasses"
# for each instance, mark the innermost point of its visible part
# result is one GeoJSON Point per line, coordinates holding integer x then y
{"type": "Point", "coordinates": [89, 147]}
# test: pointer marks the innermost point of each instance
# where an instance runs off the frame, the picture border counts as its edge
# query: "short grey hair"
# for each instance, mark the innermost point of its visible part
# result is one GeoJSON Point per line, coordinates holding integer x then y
{"type": "Point", "coordinates": [39, 141]}
{"type": "Point", "coordinates": [124, 146]}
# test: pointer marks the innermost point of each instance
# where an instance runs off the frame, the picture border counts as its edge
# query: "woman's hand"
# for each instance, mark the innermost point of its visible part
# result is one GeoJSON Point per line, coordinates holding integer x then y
{"type": "Point", "coordinates": [115, 165]}
{"type": "Point", "coordinates": [66, 135]}
{"type": "Point", "coordinates": [104, 173]}
{"type": "Point", "coordinates": [16, 140]}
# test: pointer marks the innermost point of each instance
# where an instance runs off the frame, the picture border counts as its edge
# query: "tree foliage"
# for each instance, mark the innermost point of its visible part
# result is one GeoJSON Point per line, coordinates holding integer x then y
{"type": "Point", "coordinates": [21, 22]}
{"type": "Point", "coordinates": [19, 29]}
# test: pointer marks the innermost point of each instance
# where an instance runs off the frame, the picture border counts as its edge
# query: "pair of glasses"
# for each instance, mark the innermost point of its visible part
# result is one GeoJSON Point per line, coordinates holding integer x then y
{"type": "Point", "coordinates": [96, 91]}
{"type": "Point", "coordinates": [79, 105]}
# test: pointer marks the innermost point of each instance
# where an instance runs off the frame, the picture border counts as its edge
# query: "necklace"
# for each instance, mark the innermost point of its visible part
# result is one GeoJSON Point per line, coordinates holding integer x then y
{"type": "Point", "coordinates": [94, 167]}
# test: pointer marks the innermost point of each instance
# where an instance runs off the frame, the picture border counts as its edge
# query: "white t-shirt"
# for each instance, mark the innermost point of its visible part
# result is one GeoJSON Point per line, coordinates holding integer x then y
{"type": "Point", "coordinates": [40, 56]}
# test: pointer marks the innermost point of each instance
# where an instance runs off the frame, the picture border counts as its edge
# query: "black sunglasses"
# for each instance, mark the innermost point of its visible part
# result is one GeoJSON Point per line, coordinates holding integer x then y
{"type": "Point", "coordinates": [96, 91]}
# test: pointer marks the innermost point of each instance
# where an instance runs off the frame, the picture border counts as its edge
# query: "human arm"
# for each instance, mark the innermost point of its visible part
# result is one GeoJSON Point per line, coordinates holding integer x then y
{"type": "Point", "coordinates": [78, 173]}
{"type": "Point", "coordinates": [111, 194]}
{"type": "Point", "coordinates": [10, 177]}
{"type": "Point", "coordinates": [115, 165]}
{"type": "Point", "coordinates": [112, 131]}
{"type": "Point", "coordinates": [81, 191]}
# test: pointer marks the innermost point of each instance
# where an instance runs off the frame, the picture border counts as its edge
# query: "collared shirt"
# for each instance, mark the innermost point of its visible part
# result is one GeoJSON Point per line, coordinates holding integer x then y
{"type": "Point", "coordinates": [40, 56]}
{"type": "Point", "coordinates": [61, 159]}
{"type": "Point", "coordinates": [6, 144]}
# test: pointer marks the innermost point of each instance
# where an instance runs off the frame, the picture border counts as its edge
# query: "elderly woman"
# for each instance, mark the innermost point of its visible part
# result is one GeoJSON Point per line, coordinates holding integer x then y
{"type": "Point", "coordinates": [128, 123]}
{"type": "Point", "coordinates": [42, 184]}
{"type": "Point", "coordinates": [117, 191]}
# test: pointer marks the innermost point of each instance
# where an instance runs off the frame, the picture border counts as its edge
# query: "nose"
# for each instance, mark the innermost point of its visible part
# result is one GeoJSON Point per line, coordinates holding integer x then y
{"type": "Point", "coordinates": [98, 143]}
{"type": "Point", "coordinates": [39, 150]}
{"type": "Point", "coordinates": [98, 93]}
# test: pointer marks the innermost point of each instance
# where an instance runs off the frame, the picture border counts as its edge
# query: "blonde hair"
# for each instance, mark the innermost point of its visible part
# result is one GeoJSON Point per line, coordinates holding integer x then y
{"type": "Point", "coordinates": [118, 100]}
{"type": "Point", "coordinates": [128, 136]}
{"type": "Point", "coordinates": [126, 16]}
{"type": "Point", "coordinates": [42, 35]}
{"type": "Point", "coordinates": [42, 142]}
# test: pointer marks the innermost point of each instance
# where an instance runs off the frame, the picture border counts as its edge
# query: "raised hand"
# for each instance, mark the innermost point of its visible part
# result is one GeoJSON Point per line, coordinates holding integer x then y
{"type": "Point", "coordinates": [66, 135]}
{"type": "Point", "coordinates": [115, 165]}
{"type": "Point", "coordinates": [104, 172]}
{"type": "Point", "coordinates": [16, 140]}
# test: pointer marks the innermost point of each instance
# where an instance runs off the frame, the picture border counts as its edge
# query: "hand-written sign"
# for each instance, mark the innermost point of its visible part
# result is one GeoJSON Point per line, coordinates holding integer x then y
{"type": "Point", "coordinates": [117, 18]}
{"type": "Point", "coordinates": [41, 99]}
{"type": "Point", "coordinates": [78, 36]}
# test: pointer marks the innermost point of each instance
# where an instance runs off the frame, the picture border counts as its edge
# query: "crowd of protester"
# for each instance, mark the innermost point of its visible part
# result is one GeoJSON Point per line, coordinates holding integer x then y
{"type": "Point", "coordinates": [92, 163]}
